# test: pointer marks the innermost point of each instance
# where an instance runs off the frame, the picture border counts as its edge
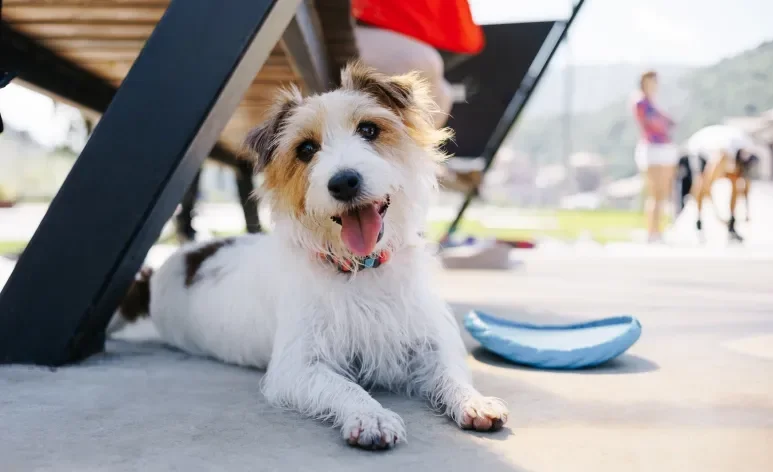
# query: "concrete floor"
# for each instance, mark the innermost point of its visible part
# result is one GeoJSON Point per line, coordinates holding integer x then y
{"type": "Point", "coordinates": [694, 394]}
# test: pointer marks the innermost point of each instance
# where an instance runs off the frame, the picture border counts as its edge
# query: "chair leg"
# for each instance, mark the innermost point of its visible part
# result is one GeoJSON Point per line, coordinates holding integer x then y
{"type": "Point", "coordinates": [132, 174]}
{"type": "Point", "coordinates": [249, 204]}
{"type": "Point", "coordinates": [184, 219]}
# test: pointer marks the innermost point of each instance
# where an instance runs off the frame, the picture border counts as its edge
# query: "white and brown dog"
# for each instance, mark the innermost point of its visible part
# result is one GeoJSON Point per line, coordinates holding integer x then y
{"type": "Point", "coordinates": [713, 153]}
{"type": "Point", "coordinates": [338, 297]}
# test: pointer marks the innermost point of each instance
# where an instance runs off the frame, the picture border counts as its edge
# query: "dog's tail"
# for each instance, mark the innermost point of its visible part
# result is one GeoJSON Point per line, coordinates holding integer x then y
{"type": "Point", "coordinates": [136, 303]}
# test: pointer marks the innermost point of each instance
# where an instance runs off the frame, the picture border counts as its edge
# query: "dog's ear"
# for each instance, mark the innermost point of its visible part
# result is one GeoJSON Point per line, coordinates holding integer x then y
{"type": "Point", "coordinates": [261, 142]}
{"type": "Point", "coordinates": [408, 96]}
{"type": "Point", "coordinates": [396, 93]}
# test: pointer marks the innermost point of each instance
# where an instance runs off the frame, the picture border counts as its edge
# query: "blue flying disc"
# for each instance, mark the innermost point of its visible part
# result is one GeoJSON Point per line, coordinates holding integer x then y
{"type": "Point", "coordinates": [572, 346]}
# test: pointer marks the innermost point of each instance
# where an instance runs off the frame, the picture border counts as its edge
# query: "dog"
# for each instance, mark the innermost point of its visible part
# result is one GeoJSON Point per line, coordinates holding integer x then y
{"type": "Point", "coordinates": [737, 169]}
{"type": "Point", "coordinates": [338, 298]}
{"type": "Point", "coordinates": [717, 152]}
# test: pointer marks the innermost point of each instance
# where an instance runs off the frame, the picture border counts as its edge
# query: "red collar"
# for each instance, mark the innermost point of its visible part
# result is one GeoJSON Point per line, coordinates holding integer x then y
{"type": "Point", "coordinates": [360, 263]}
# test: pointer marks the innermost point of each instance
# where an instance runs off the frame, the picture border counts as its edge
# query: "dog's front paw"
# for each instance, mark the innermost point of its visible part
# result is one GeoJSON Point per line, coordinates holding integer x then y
{"type": "Point", "coordinates": [483, 414]}
{"type": "Point", "coordinates": [380, 429]}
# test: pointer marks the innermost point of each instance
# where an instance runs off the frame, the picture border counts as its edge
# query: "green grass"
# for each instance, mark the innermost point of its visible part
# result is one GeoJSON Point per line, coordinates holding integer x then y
{"type": "Point", "coordinates": [603, 226]}
{"type": "Point", "coordinates": [7, 247]}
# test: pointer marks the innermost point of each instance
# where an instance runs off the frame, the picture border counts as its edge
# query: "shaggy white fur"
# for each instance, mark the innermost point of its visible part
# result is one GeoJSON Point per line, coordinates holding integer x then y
{"type": "Point", "coordinates": [324, 336]}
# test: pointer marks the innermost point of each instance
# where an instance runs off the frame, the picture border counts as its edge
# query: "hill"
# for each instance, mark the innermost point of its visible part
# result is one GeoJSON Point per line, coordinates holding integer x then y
{"type": "Point", "coordinates": [737, 86]}
{"type": "Point", "coordinates": [592, 86]}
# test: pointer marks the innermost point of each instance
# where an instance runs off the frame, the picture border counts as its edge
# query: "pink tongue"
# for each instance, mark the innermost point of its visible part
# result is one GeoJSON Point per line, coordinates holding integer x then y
{"type": "Point", "coordinates": [360, 228]}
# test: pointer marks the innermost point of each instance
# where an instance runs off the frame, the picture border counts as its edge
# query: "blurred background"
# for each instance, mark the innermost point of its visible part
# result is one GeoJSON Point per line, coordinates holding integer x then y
{"type": "Point", "coordinates": [566, 171]}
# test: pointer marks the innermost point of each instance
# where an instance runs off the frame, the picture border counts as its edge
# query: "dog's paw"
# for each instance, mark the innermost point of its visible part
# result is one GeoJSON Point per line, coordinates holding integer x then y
{"type": "Point", "coordinates": [483, 414]}
{"type": "Point", "coordinates": [380, 429]}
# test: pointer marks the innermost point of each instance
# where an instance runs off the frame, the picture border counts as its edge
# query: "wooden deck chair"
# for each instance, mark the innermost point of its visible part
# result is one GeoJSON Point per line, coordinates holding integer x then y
{"type": "Point", "coordinates": [171, 84]}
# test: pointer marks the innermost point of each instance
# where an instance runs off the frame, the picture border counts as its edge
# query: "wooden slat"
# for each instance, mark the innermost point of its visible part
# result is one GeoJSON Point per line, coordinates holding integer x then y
{"type": "Point", "coordinates": [246, 117]}
{"type": "Point", "coordinates": [108, 44]}
{"type": "Point", "coordinates": [86, 30]}
{"type": "Point", "coordinates": [152, 140]}
{"type": "Point", "coordinates": [106, 36]}
{"type": "Point", "coordinates": [87, 3]}
{"type": "Point", "coordinates": [259, 92]}
{"type": "Point", "coordinates": [129, 55]}
{"type": "Point", "coordinates": [114, 70]}
{"type": "Point", "coordinates": [281, 73]}
{"type": "Point", "coordinates": [19, 14]}
{"type": "Point", "coordinates": [258, 83]}
{"type": "Point", "coordinates": [84, 56]}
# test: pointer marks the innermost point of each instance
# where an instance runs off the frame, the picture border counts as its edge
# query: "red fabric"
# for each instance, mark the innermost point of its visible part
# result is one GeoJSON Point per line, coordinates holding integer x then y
{"type": "Point", "coordinates": [443, 24]}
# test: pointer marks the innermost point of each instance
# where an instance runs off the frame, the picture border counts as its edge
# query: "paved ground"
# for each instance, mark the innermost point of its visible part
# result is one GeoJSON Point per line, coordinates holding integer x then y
{"type": "Point", "coordinates": [758, 230]}
{"type": "Point", "coordinates": [694, 394]}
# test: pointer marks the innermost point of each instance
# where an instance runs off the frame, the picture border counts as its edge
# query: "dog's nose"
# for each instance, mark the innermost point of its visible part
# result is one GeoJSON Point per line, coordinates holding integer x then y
{"type": "Point", "coordinates": [345, 185]}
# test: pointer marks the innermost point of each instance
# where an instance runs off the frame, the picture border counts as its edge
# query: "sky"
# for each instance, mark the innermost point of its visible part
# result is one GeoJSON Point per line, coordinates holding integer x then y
{"type": "Point", "coordinates": [688, 32]}
{"type": "Point", "coordinates": [644, 32]}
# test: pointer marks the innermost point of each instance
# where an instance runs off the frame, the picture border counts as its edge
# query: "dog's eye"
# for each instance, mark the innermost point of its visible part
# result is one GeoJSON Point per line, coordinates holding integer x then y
{"type": "Point", "coordinates": [306, 150]}
{"type": "Point", "coordinates": [368, 130]}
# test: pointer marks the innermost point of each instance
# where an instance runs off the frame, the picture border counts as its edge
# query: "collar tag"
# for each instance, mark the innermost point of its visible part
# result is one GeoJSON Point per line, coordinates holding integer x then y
{"type": "Point", "coordinates": [348, 265]}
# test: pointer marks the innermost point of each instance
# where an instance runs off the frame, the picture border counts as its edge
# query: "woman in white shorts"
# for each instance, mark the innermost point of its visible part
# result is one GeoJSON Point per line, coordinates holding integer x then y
{"type": "Point", "coordinates": [656, 155]}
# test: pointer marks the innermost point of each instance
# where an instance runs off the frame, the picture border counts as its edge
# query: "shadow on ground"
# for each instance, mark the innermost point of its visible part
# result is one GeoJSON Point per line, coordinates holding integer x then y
{"type": "Point", "coordinates": [143, 406]}
{"type": "Point", "coordinates": [625, 364]}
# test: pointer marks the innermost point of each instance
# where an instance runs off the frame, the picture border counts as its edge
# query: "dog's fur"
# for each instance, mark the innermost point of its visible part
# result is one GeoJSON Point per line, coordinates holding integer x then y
{"type": "Point", "coordinates": [271, 302]}
{"type": "Point", "coordinates": [737, 169]}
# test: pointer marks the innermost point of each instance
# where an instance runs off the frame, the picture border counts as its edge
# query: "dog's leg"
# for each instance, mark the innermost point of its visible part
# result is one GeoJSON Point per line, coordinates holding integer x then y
{"type": "Point", "coordinates": [444, 379]}
{"type": "Point", "coordinates": [746, 184]}
{"type": "Point", "coordinates": [700, 194]}
{"type": "Point", "coordinates": [698, 166]}
{"type": "Point", "coordinates": [439, 372]}
{"type": "Point", "coordinates": [295, 381]}
{"type": "Point", "coordinates": [713, 172]}
{"type": "Point", "coordinates": [734, 236]}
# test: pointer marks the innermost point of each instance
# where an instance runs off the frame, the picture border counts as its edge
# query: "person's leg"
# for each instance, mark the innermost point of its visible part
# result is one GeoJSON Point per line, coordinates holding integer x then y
{"type": "Point", "coordinates": [662, 177]}
{"type": "Point", "coordinates": [666, 181]}
{"type": "Point", "coordinates": [394, 53]}
{"type": "Point", "coordinates": [651, 204]}
{"type": "Point", "coordinates": [733, 200]}
{"type": "Point", "coordinates": [745, 191]}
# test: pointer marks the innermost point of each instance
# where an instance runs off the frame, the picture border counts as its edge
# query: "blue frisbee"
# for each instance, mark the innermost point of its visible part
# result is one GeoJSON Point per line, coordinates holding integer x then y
{"type": "Point", "coordinates": [572, 346]}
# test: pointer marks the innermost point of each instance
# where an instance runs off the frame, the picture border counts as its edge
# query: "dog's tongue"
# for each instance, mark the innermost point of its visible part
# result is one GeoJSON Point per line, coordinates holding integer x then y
{"type": "Point", "coordinates": [360, 229]}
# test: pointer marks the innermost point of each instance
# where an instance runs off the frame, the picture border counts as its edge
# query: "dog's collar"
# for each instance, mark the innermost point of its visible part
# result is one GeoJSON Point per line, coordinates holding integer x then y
{"type": "Point", "coordinates": [346, 266]}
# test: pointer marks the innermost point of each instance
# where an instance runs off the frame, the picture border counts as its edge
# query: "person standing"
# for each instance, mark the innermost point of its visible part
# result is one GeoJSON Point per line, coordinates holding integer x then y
{"type": "Point", "coordinates": [656, 155]}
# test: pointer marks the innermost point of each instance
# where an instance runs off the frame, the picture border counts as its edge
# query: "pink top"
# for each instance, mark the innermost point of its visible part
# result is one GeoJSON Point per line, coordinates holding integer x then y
{"type": "Point", "coordinates": [655, 126]}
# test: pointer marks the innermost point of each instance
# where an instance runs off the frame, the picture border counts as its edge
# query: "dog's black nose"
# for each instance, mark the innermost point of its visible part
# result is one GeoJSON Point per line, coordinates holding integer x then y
{"type": "Point", "coordinates": [345, 185]}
